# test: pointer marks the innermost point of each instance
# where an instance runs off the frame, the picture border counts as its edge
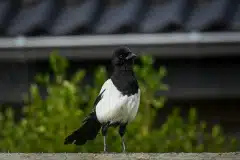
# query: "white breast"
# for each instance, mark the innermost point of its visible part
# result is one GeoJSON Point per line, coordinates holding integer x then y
{"type": "Point", "coordinates": [115, 107]}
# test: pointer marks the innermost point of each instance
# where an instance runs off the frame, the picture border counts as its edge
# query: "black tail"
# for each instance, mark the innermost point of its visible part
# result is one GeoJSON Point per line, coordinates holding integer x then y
{"type": "Point", "coordinates": [88, 131]}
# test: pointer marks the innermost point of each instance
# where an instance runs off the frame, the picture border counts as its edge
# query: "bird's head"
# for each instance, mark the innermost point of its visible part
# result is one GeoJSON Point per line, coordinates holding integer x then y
{"type": "Point", "coordinates": [123, 58]}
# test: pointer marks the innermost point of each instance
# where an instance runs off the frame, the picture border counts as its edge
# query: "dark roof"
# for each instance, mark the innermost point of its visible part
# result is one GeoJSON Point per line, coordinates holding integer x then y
{"type": "Point", "coordinates": [57, 17]}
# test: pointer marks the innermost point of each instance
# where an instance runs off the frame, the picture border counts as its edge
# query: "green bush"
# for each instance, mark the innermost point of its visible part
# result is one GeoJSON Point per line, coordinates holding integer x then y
{"type": "Point", "coordinates": [47, 121]}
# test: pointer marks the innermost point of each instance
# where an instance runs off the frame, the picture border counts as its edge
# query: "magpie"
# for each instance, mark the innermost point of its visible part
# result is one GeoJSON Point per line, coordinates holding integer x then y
{"type": "Point", "coordinates": [116, 104]}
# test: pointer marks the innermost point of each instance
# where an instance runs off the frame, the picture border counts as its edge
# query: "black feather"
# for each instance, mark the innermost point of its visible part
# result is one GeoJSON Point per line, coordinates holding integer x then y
{"type": "Point", "coordinates": [99, 97]}
{"type": "Point", "coordinates": [88, 131]}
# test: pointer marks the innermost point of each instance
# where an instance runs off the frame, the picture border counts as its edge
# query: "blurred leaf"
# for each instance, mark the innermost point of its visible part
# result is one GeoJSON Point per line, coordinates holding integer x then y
{"type": "Point", "coordinates": [47, 121]}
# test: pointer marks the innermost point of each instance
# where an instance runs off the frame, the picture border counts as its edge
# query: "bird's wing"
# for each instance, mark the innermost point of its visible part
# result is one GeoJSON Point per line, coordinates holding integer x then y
{"type": "Point", "coordinates": [99, 97]}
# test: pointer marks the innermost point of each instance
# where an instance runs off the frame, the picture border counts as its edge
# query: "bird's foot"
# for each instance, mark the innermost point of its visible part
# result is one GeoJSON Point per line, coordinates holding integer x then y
{"type": "Point", "coordinates": [124, 149]}
{"type": "Point", "coordinates": [105, 148]}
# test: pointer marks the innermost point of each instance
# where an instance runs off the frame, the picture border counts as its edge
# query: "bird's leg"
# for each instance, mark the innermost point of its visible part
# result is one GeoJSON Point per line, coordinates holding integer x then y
{"type": "Point", "coordinates": [122, 130]}
{"type": "Point", "coordinates": [123, 145]}
{"type": "Point", "coordinates": [104, 133]}
{"type": "Point", "coordinates": [105, 144]}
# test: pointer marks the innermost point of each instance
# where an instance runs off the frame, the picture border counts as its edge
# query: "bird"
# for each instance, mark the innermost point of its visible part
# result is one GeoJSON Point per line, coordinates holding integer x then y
{"type": "Point", "coordinates": [116, 105]}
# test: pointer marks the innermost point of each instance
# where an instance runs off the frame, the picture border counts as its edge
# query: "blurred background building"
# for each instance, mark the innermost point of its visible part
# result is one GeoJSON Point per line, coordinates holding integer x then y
{"type": "Point", "coordinates": [198, 41]}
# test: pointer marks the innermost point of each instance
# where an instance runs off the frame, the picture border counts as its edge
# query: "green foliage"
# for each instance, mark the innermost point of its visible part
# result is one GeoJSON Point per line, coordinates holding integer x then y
{"type": "Point", "coordinates": [47, 121]}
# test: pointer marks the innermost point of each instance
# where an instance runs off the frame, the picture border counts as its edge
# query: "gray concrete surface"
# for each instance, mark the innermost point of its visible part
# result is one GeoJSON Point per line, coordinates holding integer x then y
{"type": "Point", "coordinates": [120, 156]}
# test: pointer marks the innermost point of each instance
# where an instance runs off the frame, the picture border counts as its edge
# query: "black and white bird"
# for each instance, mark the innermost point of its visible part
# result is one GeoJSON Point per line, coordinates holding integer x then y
{"type": "Point", "coordinates": [116, 105]}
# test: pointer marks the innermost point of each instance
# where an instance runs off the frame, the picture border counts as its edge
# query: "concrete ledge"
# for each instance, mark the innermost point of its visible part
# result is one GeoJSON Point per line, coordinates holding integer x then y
{"type": "Point", "coordinates": [120, 156]}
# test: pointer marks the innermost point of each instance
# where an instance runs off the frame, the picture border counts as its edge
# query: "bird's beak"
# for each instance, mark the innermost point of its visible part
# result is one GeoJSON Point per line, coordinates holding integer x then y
{"type": "Point", "coordinates": [131, 56]}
